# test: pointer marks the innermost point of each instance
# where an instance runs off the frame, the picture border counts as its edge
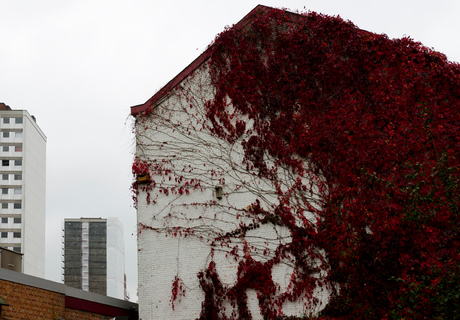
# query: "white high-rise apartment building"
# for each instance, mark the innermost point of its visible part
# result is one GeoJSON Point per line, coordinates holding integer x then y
{"type": "Point", "coordinates": [23, 188]}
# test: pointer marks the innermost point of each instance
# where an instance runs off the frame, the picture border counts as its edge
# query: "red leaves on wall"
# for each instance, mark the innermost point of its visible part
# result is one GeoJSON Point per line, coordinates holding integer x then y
{"type": "Point", "coordinates": [379, 121]}
{"type": "Point", "coordinates": [178, 291]}
{"type": "Point", "coordinates": [375, 124]}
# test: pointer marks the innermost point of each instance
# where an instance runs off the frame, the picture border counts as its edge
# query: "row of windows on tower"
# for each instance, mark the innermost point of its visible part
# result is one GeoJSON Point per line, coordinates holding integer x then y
{"type": "Point", "coordinates": [16, 205]}
{"type": "Point", "coordinates": [15, 220]}
{"type": "Point", "coordinates": [6, 163]}
{"type": "Point", "coordinates": [17, 148]}
{"type": "Point", "coordinates": [17, 134]}
{"type": "Point", "coordinates": [7, 190]}
{"type": "Point", "coordinates": [15, 234]}
{"type": "Point", "coordinates": [5, 176]}
{"type": "Point", "coordinates": [16, 120]}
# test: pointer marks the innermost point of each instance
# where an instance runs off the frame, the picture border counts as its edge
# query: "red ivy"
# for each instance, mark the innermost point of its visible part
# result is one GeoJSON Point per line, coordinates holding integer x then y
{"type": "Point", "coordinates": [379, 120]}
{"type": "Point", "coordinates": [177, 290]}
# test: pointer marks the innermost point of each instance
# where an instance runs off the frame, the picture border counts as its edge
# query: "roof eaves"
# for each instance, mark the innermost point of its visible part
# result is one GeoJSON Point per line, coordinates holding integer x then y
{"type": "Point", "coordinates": [163, 92]}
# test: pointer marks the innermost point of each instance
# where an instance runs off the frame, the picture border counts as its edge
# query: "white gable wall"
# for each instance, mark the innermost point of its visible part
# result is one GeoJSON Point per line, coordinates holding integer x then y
{"type": "Point", "coordinates": [181, 152]}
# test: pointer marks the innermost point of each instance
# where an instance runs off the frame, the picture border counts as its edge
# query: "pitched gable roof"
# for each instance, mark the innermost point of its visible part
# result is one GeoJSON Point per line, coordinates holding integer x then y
{"type": "Point", "coordinates": [163, 92]}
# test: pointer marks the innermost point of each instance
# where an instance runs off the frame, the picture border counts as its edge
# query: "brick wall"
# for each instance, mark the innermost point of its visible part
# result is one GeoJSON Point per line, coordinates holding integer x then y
{"type": "Point", "coordinates": [179, 148]}
{"type": "Point", "coordinates": [27, 302]}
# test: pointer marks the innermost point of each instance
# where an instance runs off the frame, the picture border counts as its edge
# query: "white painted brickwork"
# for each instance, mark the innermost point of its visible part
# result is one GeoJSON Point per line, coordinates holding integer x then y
{"type": "Point", "coordinates": [173, 137]}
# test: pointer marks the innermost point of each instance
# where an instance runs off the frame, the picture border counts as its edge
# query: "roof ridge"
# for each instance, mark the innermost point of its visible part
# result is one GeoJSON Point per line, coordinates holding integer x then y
{"type": "Point", "coordinates": [164, 91]}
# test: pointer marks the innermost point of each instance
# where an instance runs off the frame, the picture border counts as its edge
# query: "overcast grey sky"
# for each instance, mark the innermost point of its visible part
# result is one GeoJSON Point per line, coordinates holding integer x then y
{"type": "Point", "coordinates": [78, 66]}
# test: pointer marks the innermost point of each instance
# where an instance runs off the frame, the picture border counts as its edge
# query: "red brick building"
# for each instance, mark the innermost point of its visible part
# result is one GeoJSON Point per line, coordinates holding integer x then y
{"type": "Point", "coordinates": [27, 297]}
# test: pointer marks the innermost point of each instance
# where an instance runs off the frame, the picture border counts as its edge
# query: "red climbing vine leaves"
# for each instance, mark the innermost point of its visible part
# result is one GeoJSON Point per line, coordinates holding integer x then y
{"type": "Point", "coordinates": [376, 121]}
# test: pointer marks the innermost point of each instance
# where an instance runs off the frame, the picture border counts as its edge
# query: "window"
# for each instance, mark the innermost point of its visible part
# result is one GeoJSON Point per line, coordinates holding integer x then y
{"type": "Point", "coordinates": [17, 220]}
{"type": "Point", "coordinates": [18, 120]}
{"type": "Point", "coordinates": [18, 134]}
{"type": "Point", "coordinates": [16, 234]}
{"type": "Point", "coordinates": [5, 176]}
{"type": "Point", "coordinates": [5, 220]}
{"type": "Point", "coordinates": [4, 190]}
{"type": "Point", "coordinates": [4, 235]}
{"type": "Point", "coordinates": [6, 148]}
{"type": "Point", "coordinates": [18, 162]}
{"type": "Point", "coordinates": [18, 177]}
{"type": "Point", "coordinates": [17, 205]}
{"type": "Point", "coordinates": [5, 163]}
{"type": "Point", "coordinates": [17, 249]}
{"type": "Point", "coordinates": [18, 148]}
{"type": "Point", "coordinates": [6, 134]}
{"type": "Point", "coordinates": [6, 120]}
{"type": "Point", "coordinates": [17, 191]}
{"type": "Point", "coordinates": [5, 206]}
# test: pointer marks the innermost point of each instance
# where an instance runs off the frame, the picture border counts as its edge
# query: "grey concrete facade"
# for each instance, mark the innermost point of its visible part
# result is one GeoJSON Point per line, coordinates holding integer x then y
{"type": "Point", "coordinates": [72, 254]}
{"type": "Point", "coordinates": [93, 256]}
{"type": "Point", "coordinates": [98, 257]}
{"type": "Point", "coordinates": [85, 257]}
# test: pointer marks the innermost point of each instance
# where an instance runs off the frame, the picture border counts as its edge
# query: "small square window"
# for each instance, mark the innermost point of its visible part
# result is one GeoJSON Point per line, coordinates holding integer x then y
{"type": "Point", "coordinates": [18, 148]}
{"type": "Point", "coordinates": [6, 134]}
{"type": "Point", "coordinates": [4, 190]}
{"type": "Point", "coordinates": [6, 148]}
{"type": "Point", "coordinates": [16, 235]}
{"type": "Point", "coordinates": [18, 191]}
{"type": "Point", "coordinates": [5, 176]}
{"type": "Point", "coordinates": [6, 120]}
{"type": "Point", "coordinates": [5, 206]}
{"type": "Point", "coordinates": [4, 235]}
{"type": "Point", "coordinates": [17, 249]}
{"type": "Point", "coordinates": [5, 163]}
{"type": "Point", "coordinates": [18, 177]}
{"type": "Point", "coordinates": [17, 205]}
{"type": "Point", "coordinates": [5, 219]}
{"type": "Point", "coordinates": [18, 162]}
{"type": "Point", "coordinates": [17, 220]}
{"type": "Point", "coordinates": [18, 134]}
{"type": "Point", "coordinates": [18, 120]}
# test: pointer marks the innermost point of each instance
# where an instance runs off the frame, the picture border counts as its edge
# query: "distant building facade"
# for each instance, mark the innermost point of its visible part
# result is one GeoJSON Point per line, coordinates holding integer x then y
{"type": "Point", "coordinates": [94, 256]}
{"type": "Point", "coordinates": [23, 188]}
